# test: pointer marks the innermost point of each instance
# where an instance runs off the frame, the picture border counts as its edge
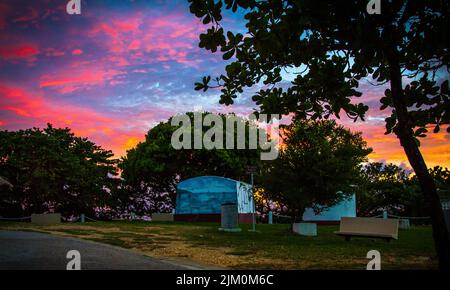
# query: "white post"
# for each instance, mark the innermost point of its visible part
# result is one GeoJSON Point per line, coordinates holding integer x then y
{"type": "Point", "coordinates": [254, 205]}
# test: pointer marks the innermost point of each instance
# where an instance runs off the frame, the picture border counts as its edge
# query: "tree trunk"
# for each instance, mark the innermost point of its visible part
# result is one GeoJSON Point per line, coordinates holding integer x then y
{"type": "Point", "coordinates": [404, 131]}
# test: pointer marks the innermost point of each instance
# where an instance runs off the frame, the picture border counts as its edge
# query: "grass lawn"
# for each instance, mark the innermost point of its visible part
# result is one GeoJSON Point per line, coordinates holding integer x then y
{"type": "Point", "coordinates": [272, 247]}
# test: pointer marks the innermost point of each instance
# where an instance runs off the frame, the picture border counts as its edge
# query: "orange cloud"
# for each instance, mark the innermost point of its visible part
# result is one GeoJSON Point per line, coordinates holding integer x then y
{"type": "Point", "coordinates": [131, 142]}
{"type": "Point", "coordinates": [435, 148]}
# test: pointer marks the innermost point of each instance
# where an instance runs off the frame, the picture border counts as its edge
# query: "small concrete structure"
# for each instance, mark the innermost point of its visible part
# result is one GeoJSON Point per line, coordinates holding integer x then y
{"type": "Point", "coordinates": [229, 221]}
{"type": "Point", "coordinates": [446, 208]}
{"type": "Point", "coordinates": [305, 229]}
{"type": "Point", "coordinates": [404, 224]}
{"type": "Point", "coordinates": [46, 219]}
{"type": "Point", "coordinates": [332, 215]}
{"type": "Point", "coordinates": [162, 217]}
{"type": "Point", "coordinates": [447, 217]}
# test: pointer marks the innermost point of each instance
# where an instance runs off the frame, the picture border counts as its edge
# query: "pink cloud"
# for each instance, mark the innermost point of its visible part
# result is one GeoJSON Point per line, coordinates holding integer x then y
{"type": "Point", "coordinates": [135, 44]}
{"type": "Point", "coordinates": [35, 106]}
{"type": "Point", "coordinates": [167, 38]}
{"type": "Point", "coordinates": [20, 51]}
{"type": "Point", "coordinates": [77, 51]}
{"type": "Point", "coordinates": [77, 78]}
{"type": "Point", "coordinates": [35, 110]}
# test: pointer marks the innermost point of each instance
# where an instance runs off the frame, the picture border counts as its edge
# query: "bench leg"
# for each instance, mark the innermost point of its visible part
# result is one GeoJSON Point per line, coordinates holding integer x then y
{"type": "Point", "coordinates": [347, 238]}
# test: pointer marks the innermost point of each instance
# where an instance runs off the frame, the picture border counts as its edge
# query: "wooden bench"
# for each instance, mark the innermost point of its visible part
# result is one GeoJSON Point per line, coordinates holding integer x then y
{"type": "Point", "coordinates": [368, 228]}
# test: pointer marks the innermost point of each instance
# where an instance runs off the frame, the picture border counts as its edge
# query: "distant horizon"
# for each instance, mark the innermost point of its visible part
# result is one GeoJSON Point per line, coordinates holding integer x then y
{"type": "Point", "coordinates": [121, 67]}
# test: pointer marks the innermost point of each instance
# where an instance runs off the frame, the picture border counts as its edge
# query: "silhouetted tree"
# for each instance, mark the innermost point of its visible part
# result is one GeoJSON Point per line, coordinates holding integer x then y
{"type": "Point", "coordinates": [319, 162]}
{"type": "Point", "coordinates": [384, 187]}
{"type": "Point", "coordinates": [154, 167]}
{"type": "Point", "coordinates": [52, 170]}
{"type": "Point", "coordinates": [332, 46]}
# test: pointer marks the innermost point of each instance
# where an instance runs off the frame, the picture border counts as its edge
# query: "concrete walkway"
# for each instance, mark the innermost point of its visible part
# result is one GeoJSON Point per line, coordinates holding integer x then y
{"type": "Point", "coordinates": [30, 250]}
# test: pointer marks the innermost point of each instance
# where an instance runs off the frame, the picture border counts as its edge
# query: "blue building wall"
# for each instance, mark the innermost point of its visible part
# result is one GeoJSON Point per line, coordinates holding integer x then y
{"type": "Point", "coordinates": [206, 194]}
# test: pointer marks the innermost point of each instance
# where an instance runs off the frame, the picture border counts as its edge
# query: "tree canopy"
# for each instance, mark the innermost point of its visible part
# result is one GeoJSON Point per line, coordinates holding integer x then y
{"type": "Point", "coordinates": [390, 187]}
{"type": "Point", "coordinates": [318, 166]}
{"type": "Point", "coordinates": [154, 167]}
{"type": "Point", "coordinates": [51, 170]}
{"type": "Point", "coordinates": [329, 48]}
{"type": "Point", "coordinates": [386, 187]}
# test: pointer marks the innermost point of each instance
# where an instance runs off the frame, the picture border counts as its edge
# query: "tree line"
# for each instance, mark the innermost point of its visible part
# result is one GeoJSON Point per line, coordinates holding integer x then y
{"type": "Point", "coordinates": [320, 163]}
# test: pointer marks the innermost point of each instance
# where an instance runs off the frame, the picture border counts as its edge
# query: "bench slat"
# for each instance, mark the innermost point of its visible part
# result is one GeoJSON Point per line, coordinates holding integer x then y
{"type": "Point", "coordinates": [368, 227]}
{"type": "Point", "coordinates": [369, 235]}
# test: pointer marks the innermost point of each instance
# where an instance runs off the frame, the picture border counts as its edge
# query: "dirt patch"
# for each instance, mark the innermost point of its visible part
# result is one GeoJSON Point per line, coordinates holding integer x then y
{"type": "Point", "coordinates": [83, 228]}
{"type": "Point", "coordinates": [219, 256]}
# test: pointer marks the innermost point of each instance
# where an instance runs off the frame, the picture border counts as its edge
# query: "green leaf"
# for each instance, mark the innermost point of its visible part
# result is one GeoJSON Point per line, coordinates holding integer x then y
{"type": "Point", "coordinates": [436, 129]}
{"type": "Point", "coordinates": [390, 123]}
{"type": "Point", "coordinates": [444, 88]}
{"type": "Point", "coordinates": [207, 19]}
{"type": "Point", "coordinates": [198, 86]}
{"type": "Point", "coordinates": [230, 36]}
{"type": "Point", "coordinates": [227, 55]}
{"type": "Point", "coordinates": [420, 132]}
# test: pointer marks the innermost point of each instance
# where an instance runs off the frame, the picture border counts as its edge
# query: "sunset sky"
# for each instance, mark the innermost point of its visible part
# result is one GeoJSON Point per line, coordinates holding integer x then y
{"type": "Point", "coordinates": [121, 67]}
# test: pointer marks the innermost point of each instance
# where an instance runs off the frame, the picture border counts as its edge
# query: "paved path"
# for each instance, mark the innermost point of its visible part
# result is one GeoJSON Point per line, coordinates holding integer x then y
{"type": "Point", "coordinates": [29, 250]}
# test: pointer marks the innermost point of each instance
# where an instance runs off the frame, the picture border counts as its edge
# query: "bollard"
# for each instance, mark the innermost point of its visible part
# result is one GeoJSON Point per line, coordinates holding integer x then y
{"type": "Point", "coordinates": [82, 217]}
{"type": "Point", "coordinates": [270, 217]}
{"type": "Point", "coordinates": [229, 219]}
{"type": "Point", "coordinates": [305, 229]}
